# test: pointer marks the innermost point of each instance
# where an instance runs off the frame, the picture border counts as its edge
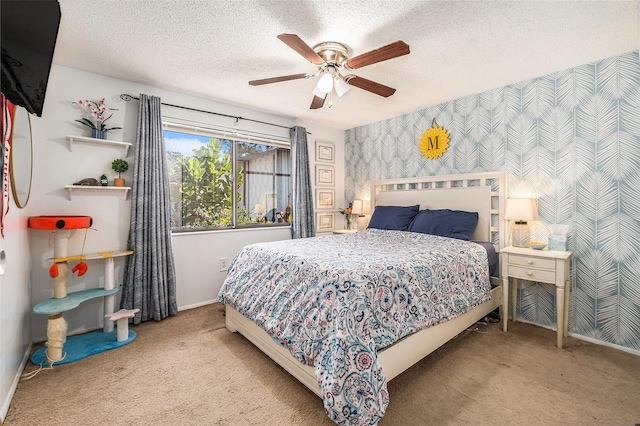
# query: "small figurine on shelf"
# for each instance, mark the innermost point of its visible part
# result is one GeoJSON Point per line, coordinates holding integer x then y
{"type": "Point", "coordinates": [103, 180]}
{"type": "Point", "coordinates": [87, 182]}
{"type": "Point", "coordinates": [119, 166]}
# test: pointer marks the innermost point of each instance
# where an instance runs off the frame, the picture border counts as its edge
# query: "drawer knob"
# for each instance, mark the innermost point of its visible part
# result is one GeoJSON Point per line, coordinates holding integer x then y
{"type": "Point", "coordinates": [529, 273]}
{"type": "Point", "coordinates": [530, 262]}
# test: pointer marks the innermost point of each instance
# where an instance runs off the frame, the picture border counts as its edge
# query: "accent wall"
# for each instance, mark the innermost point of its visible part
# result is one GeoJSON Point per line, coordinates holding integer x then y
{"type": "Point", "coordinates": [571, 139]}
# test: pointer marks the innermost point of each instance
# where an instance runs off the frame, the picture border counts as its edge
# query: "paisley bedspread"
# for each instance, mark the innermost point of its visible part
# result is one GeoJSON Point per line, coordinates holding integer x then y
{"type": "Point", "coordinates": [334, 301]}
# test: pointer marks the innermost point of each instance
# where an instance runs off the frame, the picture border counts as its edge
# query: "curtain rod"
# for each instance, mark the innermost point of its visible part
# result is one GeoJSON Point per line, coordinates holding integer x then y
{"type": "Point", "coordinates": [128, 98]}
{"type": "Point", "coordinates": [227, 133]}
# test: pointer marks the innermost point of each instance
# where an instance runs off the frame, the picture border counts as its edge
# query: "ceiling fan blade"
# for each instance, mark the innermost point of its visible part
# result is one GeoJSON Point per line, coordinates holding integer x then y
{"type": "Point", "coordinates": [317, 102]}
{"type": "Point", "coordinates": [371, 86]}
{"type": "Point", "coordinates": [277, 79]}
{"type": "Point", "coordinates": [296, 43]}
{"type": "Point", "coordinates": [390, 51]}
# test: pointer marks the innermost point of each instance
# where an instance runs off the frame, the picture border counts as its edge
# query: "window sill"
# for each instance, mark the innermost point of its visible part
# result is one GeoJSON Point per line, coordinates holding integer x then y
{"type": "Point", "coordinates": [225, 230]}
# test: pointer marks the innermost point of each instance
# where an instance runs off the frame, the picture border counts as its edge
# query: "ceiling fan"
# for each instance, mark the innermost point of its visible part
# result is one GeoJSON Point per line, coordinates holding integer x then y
{"type": "Point", "coordinates": [332, 58]}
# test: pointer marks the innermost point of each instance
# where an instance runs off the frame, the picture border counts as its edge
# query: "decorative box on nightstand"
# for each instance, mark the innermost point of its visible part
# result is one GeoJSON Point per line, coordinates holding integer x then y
{"type": "Point", "coordinates": [545, 266]}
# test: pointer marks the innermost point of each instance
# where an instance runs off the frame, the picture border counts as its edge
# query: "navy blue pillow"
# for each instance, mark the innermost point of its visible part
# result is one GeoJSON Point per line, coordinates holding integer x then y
{"type": "Point", "coordinates": [395, 218]}
{"type": "Point", "coordinates": [445, 223]}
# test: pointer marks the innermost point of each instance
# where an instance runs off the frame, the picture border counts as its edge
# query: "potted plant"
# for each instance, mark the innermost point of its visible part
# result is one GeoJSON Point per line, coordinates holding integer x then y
{"type": "Point", "coordinates": [119, 166]}
{"type": "Point", "coordinates": [99, 113]}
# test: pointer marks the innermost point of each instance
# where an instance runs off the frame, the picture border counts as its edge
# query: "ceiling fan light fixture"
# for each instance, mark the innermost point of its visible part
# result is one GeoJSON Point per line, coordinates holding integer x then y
{"type": "Point", "coordinates": [317, 92]}
{"type": "Point", "coordinates": [331, 58]}
{"type": "Point", "coordinates": [341, 87]}
{"type": "Point", "coordinates": [325, 84]}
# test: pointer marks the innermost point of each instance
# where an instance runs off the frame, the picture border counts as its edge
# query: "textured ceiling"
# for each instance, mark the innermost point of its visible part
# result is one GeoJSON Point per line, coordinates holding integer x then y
{"type": "Point", "coordinates": [213, 48]}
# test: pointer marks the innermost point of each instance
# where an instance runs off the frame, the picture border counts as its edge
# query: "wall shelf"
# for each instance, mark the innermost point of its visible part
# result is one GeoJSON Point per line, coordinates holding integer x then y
{"type": "Point", "coordinates": [84, 139]}
{"type": "Point", "coordinates": [86, 188]}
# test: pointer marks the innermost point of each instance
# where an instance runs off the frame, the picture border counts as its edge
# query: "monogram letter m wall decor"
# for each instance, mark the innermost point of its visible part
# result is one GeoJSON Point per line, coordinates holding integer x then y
{"type": "Point", "coordinates": [434, 141]}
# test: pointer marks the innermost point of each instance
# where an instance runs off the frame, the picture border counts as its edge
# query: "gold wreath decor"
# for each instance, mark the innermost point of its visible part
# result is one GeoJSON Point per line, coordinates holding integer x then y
{"type": "Point", "coordinates": [434, 141]}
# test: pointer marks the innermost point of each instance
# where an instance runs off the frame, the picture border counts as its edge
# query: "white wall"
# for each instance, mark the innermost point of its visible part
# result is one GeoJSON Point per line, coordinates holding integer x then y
{"type": "Point", "coordinates": [197, 255]}
{"type": "Point", "coordinates": [337, 137]}
{"type": "Point", "coordinates": [15, 303]}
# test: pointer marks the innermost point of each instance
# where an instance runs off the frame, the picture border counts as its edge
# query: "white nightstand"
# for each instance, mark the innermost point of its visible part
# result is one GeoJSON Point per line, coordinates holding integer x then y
{"type": "Point", "coordinates": [344, 231]}
{"type": "Point", "coordinates": [545, 266]}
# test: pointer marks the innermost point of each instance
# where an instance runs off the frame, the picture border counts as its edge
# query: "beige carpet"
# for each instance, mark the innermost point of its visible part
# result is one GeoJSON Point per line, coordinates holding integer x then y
{"type": "Point", "coordinates": [189, 370]}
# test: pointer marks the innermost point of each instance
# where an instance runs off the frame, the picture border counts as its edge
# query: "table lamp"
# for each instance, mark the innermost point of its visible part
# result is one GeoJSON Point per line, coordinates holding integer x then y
{"type": "Point", "coordinates": [361, 208]}
{"type": "Point", "coordinates": [521, 210]}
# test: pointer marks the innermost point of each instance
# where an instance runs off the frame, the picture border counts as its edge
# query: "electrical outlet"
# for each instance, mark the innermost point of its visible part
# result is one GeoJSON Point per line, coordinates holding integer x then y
{"type": "Point", "coordinates": [224, 264]}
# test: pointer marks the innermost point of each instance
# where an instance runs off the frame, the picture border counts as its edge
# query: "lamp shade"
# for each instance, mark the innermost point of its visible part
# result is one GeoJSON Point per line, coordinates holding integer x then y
{"type": "Point", "coordinates": [521, 209]}
{"type": "Point", "coordinates": [361, 207]}
{"type": "Point", "coordinates": [356, 207]}
{"type": "Point", "coordinates": [325, 84]}
{"type": "Point", "coordinates": [341, 87]}
{"type": "Point", "coordinates": [317, 92]}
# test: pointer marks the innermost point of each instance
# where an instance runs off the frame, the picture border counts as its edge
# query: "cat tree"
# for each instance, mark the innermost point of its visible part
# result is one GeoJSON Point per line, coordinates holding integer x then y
{"type": "Point", "coordinates": [59, 349]}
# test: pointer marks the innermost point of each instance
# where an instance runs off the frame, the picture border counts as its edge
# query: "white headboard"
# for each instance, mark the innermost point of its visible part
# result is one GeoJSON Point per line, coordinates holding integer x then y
{"type": "Point", "coordinates": [483, 192]}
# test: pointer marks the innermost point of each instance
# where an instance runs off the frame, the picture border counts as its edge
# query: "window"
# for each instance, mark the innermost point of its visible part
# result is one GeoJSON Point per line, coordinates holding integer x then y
{"type": "Point", "coordinates": [222, 183]}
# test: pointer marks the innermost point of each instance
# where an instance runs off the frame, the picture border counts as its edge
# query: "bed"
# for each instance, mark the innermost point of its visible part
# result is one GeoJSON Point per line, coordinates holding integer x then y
{"type": "Point", "coordinates": [359, 329]}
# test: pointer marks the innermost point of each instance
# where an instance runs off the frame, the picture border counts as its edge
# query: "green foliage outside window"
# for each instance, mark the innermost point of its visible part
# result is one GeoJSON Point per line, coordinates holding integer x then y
{"type": "Point", "coordinates": [204, 184]}
{"type": "Point", "coordinates": [203, 187]}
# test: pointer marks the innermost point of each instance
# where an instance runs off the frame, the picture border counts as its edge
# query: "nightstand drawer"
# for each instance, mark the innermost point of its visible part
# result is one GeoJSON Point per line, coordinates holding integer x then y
{"type": "Point", "coordinates": [532, 274]}
{"type": "Point", "coordinates": [532, 262]}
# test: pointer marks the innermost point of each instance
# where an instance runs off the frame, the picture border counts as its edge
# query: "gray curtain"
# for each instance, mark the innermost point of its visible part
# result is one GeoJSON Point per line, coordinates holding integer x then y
{"type": "Point", "coordinates": [149, 277]}
{"type": "Point", "coordinates": [303, 223]}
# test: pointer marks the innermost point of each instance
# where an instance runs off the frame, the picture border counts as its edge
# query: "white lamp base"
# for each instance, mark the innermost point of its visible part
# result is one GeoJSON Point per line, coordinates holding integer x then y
{"type": "Point", "coordinates": [520, 234]}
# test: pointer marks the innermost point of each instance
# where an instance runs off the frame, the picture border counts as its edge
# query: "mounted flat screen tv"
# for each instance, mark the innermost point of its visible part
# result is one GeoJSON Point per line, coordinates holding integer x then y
{"type": "Point", "coordinates": [29, 31]}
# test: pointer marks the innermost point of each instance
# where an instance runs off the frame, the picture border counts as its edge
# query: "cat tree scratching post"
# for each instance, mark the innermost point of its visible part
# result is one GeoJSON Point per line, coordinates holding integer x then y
{"type": "Point", "coordinates": [56, 325]}
{"type": "Point", "coordinates": [78, 346]}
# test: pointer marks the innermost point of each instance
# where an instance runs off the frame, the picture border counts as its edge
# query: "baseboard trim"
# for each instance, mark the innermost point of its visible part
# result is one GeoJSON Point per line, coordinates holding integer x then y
{"type": "Point", "coordinates": [603, 343]}
{"type": "Point", "coordinates": [196, 305]}
{"type": "Point", "coordinates": [7, 402]}
{"type": "Point", "coordinates": [587, 339]}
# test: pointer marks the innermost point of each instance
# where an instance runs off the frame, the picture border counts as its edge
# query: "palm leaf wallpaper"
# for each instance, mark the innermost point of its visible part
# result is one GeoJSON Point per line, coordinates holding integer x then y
{"type": "Point", "coordinates": [570, 139]}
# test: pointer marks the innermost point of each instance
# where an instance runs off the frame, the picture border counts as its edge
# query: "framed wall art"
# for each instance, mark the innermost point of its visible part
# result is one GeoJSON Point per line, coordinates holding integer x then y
{"type": "Point", "coordinates": [325, 175]}
{"type": "Point", "coordinates": [324, 222]}
{"type": "Point", "coordinates": [325, 199]}
{"type": "Point", "coordinates": [325, 152]}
